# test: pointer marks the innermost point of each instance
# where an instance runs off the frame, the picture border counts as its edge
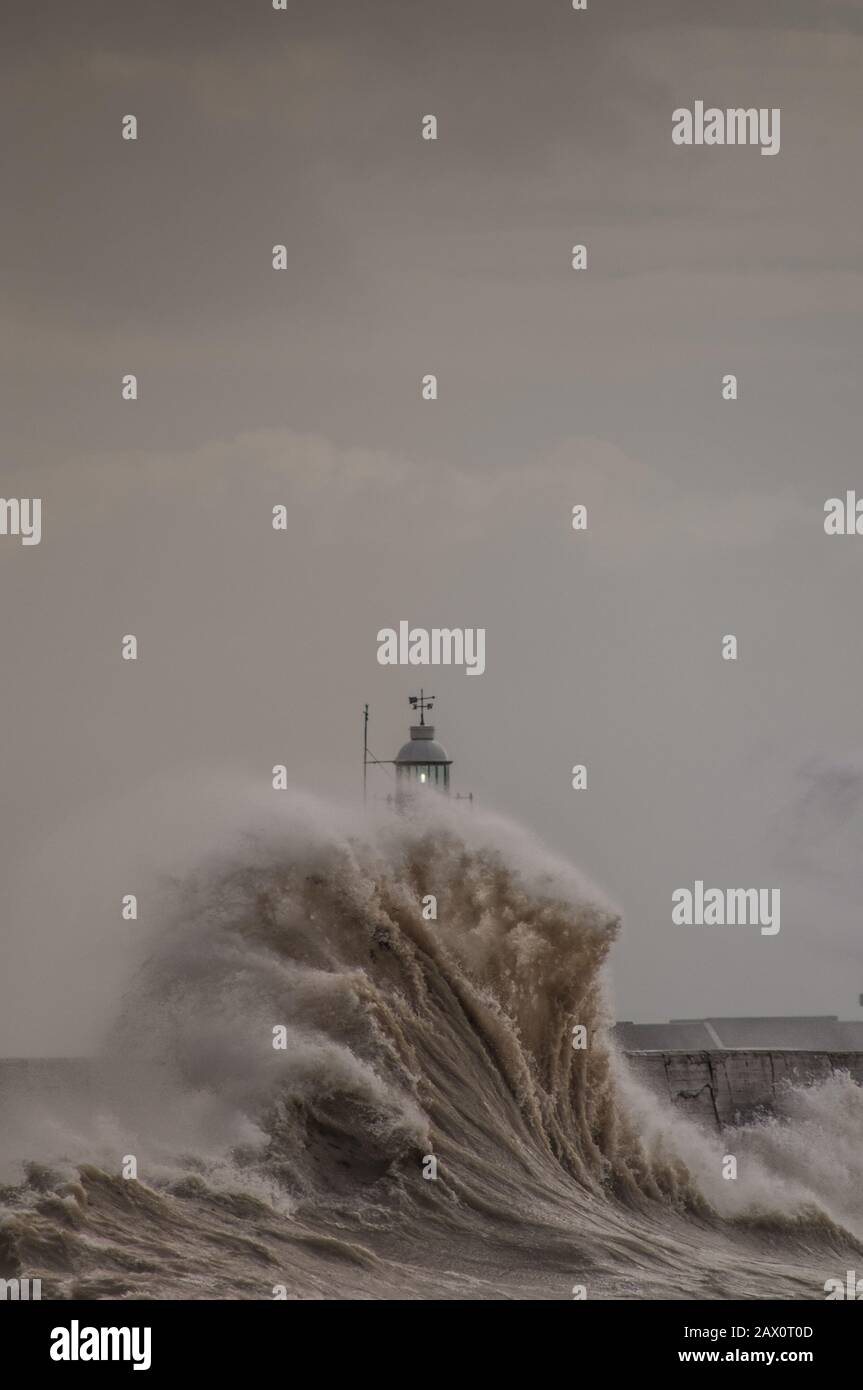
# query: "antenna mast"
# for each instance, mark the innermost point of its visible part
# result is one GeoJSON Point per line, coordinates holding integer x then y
{"type": "Point", "coordinates": [365, 748]}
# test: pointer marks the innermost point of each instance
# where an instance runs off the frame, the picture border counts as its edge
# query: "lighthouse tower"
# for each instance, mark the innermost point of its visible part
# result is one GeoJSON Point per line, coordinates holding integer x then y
{"type": "Point", "coordinates": [422, 761]}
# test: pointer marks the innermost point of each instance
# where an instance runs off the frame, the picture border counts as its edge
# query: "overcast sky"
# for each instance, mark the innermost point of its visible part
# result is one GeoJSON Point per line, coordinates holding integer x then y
{"type": "Point", "coordinates": [302, 387]}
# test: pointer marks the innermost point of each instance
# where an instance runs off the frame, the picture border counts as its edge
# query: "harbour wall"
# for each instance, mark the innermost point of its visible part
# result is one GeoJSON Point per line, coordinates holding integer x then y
{"type": "Point", "coordinates": [716, 1088]}
{"type": "Point", "coordinates": [724, 1088]}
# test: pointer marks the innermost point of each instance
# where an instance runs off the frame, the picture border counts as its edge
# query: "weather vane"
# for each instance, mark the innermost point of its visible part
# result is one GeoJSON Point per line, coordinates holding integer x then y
{"type": "Point", "coordinates": [422, 702]}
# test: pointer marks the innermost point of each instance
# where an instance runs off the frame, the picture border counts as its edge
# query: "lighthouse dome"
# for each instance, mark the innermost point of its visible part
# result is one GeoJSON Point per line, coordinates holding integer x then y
{"type": "Point", "coordinates": [423, 748]}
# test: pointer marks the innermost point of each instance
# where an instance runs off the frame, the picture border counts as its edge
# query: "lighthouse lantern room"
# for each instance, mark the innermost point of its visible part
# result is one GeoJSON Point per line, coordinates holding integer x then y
{"type": "Point", "coordinates": [422, 761]}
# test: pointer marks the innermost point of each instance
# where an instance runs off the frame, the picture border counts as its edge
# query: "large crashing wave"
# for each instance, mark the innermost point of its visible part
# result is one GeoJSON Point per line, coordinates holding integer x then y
{"type": "Point", "coordinates": [406, 1036]}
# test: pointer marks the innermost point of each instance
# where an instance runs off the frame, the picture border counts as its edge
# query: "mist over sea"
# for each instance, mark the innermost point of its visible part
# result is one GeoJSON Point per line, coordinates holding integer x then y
{"type": "Point", "coordinates": [298, 1170]}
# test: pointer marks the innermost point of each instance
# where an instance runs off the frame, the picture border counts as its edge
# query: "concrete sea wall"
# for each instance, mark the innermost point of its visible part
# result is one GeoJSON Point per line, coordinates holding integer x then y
{"type": "Point", "coordinates": [720, 1088]}
{"type": "Point", "coordinates": [716, 1088]}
